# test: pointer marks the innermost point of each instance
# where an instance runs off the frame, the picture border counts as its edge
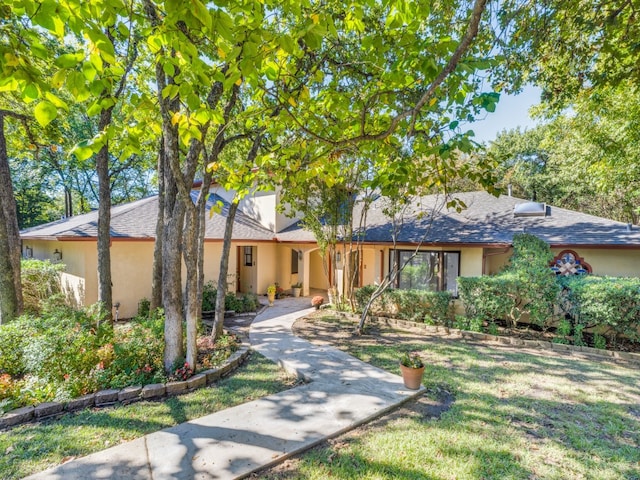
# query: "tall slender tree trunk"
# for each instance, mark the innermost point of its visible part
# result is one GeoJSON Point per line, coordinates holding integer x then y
{"type": "Point", "coordinates": [10, 282]}
{"type": "Point", "coordinates": [105, 287]}
{"type": "Point", "coordinates": [221, 291]}
{"type": "Point", "coordinates": [193, 258]}
{"type": "Point", "coordinates": [156, 281]}
{"type": "Point", "coordinates": [173, 225]}
{"type": "Point", "coordinates": [190, 254]}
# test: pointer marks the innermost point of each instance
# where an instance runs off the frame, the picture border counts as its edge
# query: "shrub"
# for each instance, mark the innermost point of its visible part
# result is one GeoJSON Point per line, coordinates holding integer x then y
{"type": "Point", "coordinates": [609, 302]}
{"type": "Point", "coordinates": [250, 302]}
{"type": "Point", "coordinates": [14, 336]}
{"type": "Point", "coordinates": [144, 307]}
{"type": "Point", "coordinates": [240, 304]}
{"type": "Point", "coordinates": [379, 306]}
{"type": "Point", "coordinates": [488, 297]}
{"type": "Point", "coordinates": [63, 353]}
{"type": "Point", "coordinates": [40, 284]}
{"type": "Point", "coordinates": [133, 358]}
{"type": "Point", "coordinates": [527, 287]}
{"type": "Point", "coordinates": [209, 293]}
{"type": "Point", "coordinates": [414, 305]}
{"type": "Point", "coordinates": [232, 303]}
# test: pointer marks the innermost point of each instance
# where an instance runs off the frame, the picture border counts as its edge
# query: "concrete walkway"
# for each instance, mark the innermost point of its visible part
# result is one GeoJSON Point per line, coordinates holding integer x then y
{"type": "Point", "coordinates": [342, 393]}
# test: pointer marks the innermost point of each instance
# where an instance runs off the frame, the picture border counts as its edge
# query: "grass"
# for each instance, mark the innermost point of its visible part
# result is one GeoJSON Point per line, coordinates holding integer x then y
{"type": "Point", "coordinates": [34, 447]}
{"type": "Point", "coordinates": [515, 416]}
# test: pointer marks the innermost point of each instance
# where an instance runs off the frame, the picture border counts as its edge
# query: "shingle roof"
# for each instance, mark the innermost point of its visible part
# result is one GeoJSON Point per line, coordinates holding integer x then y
{"type": "Point", "coordinates": [137, 220]}
{"type": "Point", "coordinates": [487, 220]}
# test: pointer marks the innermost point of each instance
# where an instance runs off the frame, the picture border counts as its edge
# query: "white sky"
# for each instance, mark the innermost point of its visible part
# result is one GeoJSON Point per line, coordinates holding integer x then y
{"type": "Point", "coordinates": [511, 112]}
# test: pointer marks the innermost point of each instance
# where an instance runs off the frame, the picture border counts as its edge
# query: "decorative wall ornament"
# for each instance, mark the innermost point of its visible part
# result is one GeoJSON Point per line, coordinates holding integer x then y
{"type": "Point", "coordinates": [568, 262]}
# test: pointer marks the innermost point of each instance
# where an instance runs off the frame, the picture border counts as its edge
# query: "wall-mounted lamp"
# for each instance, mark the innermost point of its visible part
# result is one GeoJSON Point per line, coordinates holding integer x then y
{"type": "Point", "coordinates": [338, 257]}
{"type": "Point", "coordinates": [57, 255]}
{"type": "Point", "coordinates": [299, 254]}
{"type": "Point", "coordinates": [28, 252]}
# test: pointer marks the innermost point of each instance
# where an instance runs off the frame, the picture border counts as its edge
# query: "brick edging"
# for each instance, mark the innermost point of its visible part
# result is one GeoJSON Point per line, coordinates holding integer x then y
{"type": "Point", "coordinates": [514, 341]}
{"type": "Point", "coordinates": [104, 398]}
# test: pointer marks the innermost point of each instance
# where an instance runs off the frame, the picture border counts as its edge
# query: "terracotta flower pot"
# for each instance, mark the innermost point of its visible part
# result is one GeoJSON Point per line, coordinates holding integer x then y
{"type": "Point", "coordinates": [412, 377]}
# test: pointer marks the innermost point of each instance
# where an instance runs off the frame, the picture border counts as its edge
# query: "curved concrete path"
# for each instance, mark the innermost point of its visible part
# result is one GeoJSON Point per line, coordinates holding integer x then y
{"type": "Point", "coordinates": [342, 393]}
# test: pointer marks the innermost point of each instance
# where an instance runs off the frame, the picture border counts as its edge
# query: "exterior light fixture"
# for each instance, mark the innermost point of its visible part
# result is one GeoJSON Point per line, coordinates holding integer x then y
{"type": "Point", "coordinates": [57, 255]}
{"type": "Point", "coordinates": [28, 252]}
{"type": "Point", "coordinates": [299, 254]}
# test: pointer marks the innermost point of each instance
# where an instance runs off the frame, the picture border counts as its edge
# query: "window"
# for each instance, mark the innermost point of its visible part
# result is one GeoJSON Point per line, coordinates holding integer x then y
{"type": "Point", "coordinates": [248, 256]}
{"type": "Point", "coordinates": [294, 261]}
{"type": "Point", "coordinates": [427, 270]}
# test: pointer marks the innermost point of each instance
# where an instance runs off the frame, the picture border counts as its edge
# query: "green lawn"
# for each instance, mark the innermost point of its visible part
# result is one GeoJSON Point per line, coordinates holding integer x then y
{"type": "Point", "coordinates": [35, 447]}
{"type": "Point", "coordinates": [515, 416]}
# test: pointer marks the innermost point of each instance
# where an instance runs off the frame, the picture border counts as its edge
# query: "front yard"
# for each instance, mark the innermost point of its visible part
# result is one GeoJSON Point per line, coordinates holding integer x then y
{"type": "Point", "coordinates": [34, 447]}
{"type": "Point", "coordinates": [492, 412]}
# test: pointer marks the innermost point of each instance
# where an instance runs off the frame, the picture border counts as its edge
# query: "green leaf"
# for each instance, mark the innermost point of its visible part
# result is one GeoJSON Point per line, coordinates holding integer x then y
{"type": "Point", "coordinates": [45, 112]}
{"type": "Point", "coordinates": [30, 93]}
{"type": "Point", "coordinates": [56, 101]}
{"type": "Point", "coordinates": [82, 152]}
{"type": "Point", "coordinates": [69, 60]}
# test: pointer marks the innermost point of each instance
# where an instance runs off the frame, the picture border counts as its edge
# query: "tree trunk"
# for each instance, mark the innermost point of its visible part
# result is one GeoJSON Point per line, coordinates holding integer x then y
{"type": "Point", "coordinates": [221, 292]}
{"type": "Point", "coordinates": [194, 260]}
{"type": "Point", "coordinates": [172, 259]}
{"type": "Point", "coordinates": [156, 280]}
{"type": "Point", "coordinates": [190, 254]}
{"type": "Point", "coordinates": [10, 282]}
{"type": "Point", "coordinates": [104, 222]}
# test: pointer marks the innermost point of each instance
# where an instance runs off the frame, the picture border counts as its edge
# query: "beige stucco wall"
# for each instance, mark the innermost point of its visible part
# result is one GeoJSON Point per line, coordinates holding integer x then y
{"type": "Point", "coordinates": [131, 270]}
{"type": "Point", "coordinates": [369, 266]}
{"type": "Point", "coordinates": [266, 263]}
{"type": "Point", "coordinates": [317, 277]}
{"type": "Point", "coordinates": [615, 263]}
{"type": "Point", "coordinates": [79, 258]}
{"type": "Point", "coordinates": [611, 262]}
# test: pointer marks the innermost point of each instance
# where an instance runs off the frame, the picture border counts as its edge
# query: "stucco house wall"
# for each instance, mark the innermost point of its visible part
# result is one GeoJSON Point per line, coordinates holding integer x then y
{"type": "Point", "coordinates": [482, 233]}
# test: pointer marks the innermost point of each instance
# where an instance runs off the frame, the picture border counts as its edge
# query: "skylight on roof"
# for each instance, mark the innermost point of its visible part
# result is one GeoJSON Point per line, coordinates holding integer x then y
{"type": "Point", "coordinates": [530, 209]}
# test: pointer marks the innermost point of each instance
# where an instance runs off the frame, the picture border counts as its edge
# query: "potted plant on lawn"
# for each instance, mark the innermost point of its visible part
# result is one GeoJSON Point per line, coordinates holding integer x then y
{"type": "Point", "coordinates": [296, 288]}
{"type": "Point", "coordinates": [271, 294]}
{"type": "Point", "coordinates": [412, 368]}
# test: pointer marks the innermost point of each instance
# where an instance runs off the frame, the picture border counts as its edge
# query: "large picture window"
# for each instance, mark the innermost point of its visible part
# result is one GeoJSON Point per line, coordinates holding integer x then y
{"type": "Point", "coordinates": [435, 271]}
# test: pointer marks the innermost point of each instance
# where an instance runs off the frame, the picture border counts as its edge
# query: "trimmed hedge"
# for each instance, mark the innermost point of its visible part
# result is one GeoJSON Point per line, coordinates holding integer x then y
{"type": "Point", "coordinates": [415, 305]}
{"type": "Point", "coordinates": [613, 304]}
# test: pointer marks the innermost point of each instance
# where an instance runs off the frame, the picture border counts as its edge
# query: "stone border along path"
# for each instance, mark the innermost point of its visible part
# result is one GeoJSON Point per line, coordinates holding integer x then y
{"type": "Point", "coordinates": [341, 394]}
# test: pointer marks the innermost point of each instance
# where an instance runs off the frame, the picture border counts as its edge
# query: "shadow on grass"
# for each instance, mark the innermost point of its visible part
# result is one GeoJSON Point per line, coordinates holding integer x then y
{"type": "Point", "coordinates": [588, 410]}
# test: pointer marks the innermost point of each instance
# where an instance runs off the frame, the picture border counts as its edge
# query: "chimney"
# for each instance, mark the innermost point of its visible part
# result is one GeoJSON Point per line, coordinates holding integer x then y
{"type": "Point", "coordinates": [509, 190]}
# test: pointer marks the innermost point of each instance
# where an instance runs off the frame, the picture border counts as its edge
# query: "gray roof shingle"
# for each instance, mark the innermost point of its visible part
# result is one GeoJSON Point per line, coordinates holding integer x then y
{"type": "Point", "coordinates": [137, 220]}
{"type": "Point", "coordinates": [487, 220]}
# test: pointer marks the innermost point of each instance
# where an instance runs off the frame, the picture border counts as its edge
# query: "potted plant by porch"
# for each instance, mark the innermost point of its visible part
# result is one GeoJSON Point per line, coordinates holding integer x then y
{"type": "Point", "coordinates": [296, 288]}
{"type": "Point", "coordinates": [271, 294]}
{"type": "Point", "coordinates": [317, 301]}
{"type": "Point", "coordinates": [412, 369]}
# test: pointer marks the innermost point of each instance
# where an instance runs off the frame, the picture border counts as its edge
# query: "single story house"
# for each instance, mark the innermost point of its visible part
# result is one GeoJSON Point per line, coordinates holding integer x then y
{"type": "Point", "coordinates": [269, 247]}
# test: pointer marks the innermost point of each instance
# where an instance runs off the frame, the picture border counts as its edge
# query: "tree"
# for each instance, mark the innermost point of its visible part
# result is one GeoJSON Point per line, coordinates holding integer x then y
{"type": "Point", "coordinates": [585, 161]}
{"type": "Point", "coordinates": [10, 282]}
